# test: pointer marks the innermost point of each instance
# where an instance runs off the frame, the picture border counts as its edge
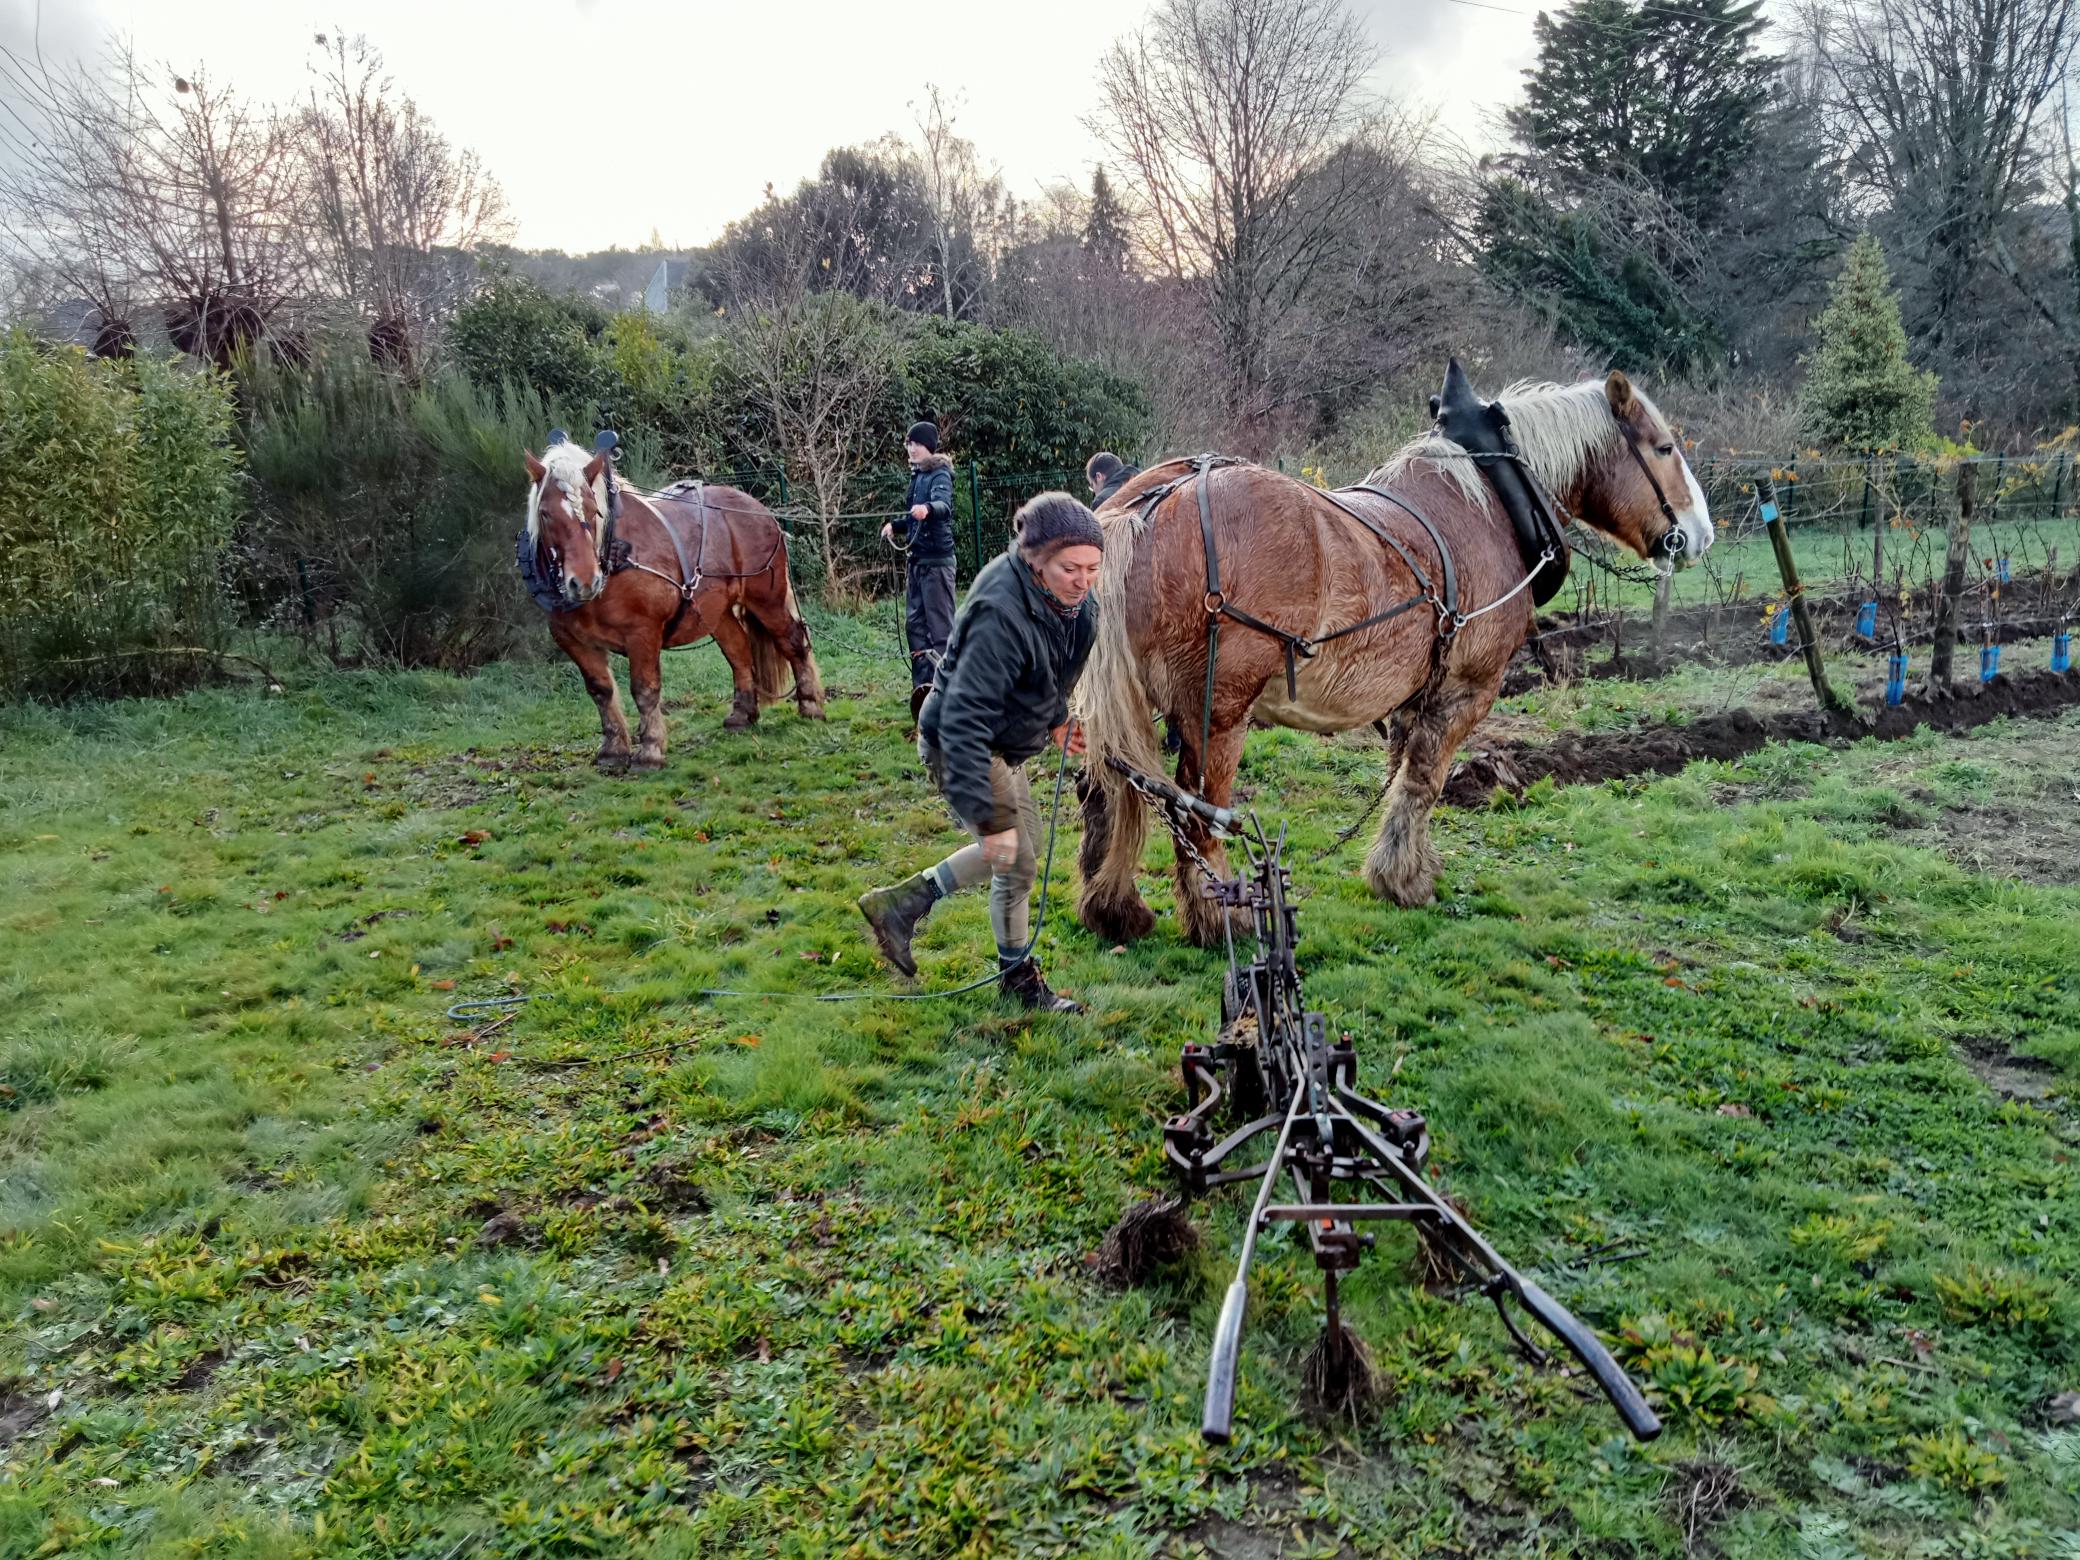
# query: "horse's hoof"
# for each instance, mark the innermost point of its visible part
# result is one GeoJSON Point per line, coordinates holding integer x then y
{"type": "Point", "coordinates": [1117, 921]}
{"type": "Point", "coordinates": [811, 711]}
{"type": "Point", "coordinates": [647, 761]}
{"type": "Point", "coordinates": [611, 762]}
{"type": "Point", "coordinates": [738, 723]}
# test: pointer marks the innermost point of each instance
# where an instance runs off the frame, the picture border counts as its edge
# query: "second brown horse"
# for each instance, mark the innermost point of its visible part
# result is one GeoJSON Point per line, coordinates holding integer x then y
{"type": "Point", "coordinates": [709, 561]}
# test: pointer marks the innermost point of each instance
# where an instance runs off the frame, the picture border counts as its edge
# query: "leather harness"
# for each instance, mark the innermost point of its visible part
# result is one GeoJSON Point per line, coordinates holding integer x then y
{"type": "Point", "coordinates": [1442, 596]}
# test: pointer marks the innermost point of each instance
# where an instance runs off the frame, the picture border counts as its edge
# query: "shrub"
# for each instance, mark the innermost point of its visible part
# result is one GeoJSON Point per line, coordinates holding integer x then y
{"type": "Point", "coordinates": [385, 511]}
{"type": "Point", "coordinates": [119, 496]}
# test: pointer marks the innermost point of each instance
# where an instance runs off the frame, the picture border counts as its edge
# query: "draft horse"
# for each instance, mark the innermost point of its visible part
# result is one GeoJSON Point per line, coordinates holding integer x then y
{"type": "Point", "coordinates": [1396, 603]}
{"type": "Point", "coordinates": [668, 570]}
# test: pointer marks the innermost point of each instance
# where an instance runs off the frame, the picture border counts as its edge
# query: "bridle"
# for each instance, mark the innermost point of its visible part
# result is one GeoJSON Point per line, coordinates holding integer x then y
{"type": "Point", "coordinates": [1672, 542]}
{"type": "Point", "coordinates": [601, 537]}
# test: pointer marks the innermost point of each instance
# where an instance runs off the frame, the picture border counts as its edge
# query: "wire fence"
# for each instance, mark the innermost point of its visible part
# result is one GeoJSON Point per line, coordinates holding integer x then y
{"type": "Point", "coordinates": [1871, 546]}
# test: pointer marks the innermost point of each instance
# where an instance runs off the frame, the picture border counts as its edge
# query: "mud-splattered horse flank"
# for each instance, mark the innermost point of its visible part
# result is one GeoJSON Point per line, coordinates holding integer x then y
{"type": "Point", "coordinates": [1232, 593]}
{"type": "Point", "coordinates": [668, 570]}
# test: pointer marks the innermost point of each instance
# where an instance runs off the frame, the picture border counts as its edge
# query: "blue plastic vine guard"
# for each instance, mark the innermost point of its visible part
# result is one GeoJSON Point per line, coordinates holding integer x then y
{"type": "Point", "coordinates": [1896, 678]}
{"type": "Point", "coordinates": [1780, 627]}
{"type": "Point", "coordinates": [1867, 619]}
{"type": "Point", "coordinates": [1989, 662]}
{"type": "Point", "coordinates": [2003, 571]}
{"type": "Point", "coordinates": [2062, 650]}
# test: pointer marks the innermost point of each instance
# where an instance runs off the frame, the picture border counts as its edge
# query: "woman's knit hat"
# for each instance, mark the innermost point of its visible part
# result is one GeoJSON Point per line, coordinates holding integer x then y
{"type": "Point", "coordinates": [1050, 521]}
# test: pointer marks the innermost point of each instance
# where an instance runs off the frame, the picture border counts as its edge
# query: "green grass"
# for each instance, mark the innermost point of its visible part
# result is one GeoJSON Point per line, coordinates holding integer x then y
{"type": "Point", "coordinates": [311, 1277]}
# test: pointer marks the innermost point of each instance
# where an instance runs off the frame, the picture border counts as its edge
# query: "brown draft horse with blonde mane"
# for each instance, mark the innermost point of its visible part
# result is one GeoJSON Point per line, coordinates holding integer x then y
{"type": "Point", "coordinates": [1305, 564]}
{"type": "Point", "coordinates": [670, 570]}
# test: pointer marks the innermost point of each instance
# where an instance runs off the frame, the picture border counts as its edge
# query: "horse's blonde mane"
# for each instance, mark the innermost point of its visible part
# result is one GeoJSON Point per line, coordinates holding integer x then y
{"type": "Point", "coordinates": [565, 465]}
{"type": "Point", "coordinates": [1559, 428]}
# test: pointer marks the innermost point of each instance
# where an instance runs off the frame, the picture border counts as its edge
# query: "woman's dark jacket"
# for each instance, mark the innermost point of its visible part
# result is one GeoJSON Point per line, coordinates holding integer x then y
{"type": "Point", "coordinates": [1004, 683]}
{"type": "Point", "coordinates": [931, 539]}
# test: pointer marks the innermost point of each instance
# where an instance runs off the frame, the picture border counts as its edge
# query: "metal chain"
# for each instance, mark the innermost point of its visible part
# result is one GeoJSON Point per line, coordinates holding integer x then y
{"type": "Point", "coordinates": [1211, 887]}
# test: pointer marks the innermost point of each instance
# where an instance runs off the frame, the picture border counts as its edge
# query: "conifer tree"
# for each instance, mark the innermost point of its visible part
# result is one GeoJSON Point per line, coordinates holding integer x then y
{"type": "Point", "coordinates": [1861, 392]}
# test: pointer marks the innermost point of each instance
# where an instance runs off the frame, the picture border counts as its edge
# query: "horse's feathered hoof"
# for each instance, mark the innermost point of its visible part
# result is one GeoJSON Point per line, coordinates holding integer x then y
{"type": "Point", "coordinates": [647, 761]}
{"type": "Point", "coordinates": [612, 763]}
{"type": "Point", "coordinates": [1117, 920]}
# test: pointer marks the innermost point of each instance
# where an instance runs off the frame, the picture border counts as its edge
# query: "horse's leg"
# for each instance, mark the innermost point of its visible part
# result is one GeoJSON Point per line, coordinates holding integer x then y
{"type": "Point", "coordinates": [734, 641]}
{"type": "Point", "coordinates": [645, 678]}
{"type": "Point", "coordinates": [777, 614]}
{"type": "Point", "coordinates": [598, 672]}
{"type": "Point", "coordinates": [1402, 864]}
{"type": "Point", "coordinates": [1200, 916]}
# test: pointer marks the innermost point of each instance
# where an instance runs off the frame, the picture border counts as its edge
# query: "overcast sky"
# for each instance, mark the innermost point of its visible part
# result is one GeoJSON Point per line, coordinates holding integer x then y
{"type": "Point", "coordinates": [606, 119]}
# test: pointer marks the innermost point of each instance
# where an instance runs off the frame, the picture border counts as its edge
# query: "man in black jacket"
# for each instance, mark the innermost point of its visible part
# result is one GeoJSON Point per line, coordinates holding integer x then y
{"type": "Point", "coordinates": [926, 526]}
{"type": "Point", "coordinates": [1107, 474]}
{"type": "Point", "coordinates": [1002, 696]}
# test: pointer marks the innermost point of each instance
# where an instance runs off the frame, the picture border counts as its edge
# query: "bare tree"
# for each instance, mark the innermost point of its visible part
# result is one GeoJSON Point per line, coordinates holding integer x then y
{"type": "Point", "coordinates": [139, 187]}
{"type": "Point", "coordinates": [394, 209]}
{"type": "Point", "coordinates": [966, 203]}
{"type": "Point", "coordinates": [818, 362]}
{"type": "Point", "coordinates": [1229, 112]}
{"type": "Point", "coordinates": [1943, 106]}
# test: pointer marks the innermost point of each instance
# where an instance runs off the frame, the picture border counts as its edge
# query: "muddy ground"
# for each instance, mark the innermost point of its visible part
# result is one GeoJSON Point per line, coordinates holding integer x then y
{"type": "Point", "coordinates": [2002, 833]}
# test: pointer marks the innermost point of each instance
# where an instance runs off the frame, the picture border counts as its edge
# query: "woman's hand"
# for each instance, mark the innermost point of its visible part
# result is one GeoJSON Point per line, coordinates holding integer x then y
{"type": "Point", "coordinates": [919, 511]}
{"type": "Point", "coordinates": [888, 533]}
{"type": "Point", "coordinates": [1000, 850]}
{"type": "Point", "coordinates": [1069, 738]}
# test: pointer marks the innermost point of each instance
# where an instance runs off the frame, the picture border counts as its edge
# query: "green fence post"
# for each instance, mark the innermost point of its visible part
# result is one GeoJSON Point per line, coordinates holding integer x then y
{"type": "Point", "coordinates": [975, 507]}
{"type": "Point", "coordinates": [784, 524]}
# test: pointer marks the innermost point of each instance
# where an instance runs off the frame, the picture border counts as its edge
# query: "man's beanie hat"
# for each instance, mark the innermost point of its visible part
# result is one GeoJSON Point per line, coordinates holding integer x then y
{"type": "Point", "coordinates": [926, 434]}
{"type": "Point", "coordinates": [1054, 520]}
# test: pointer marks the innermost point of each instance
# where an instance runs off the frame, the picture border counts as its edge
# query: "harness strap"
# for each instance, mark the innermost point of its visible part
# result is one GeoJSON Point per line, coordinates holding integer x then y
{"type": "Point", "coordinates": [1407, 557]}
{"type": "Point", "coordinates": [1448, 604]}
{"type": "Point", "coordinates": [1672, 539]}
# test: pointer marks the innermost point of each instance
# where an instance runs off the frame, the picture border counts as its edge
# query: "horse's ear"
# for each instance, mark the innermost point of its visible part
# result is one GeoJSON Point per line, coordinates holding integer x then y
{"type": "Point", "coordinates": [592, 471]}
{"type": "Point", "coordinates": [1619, 389]}
{"type": "Point", "coordinates": [535, 469]}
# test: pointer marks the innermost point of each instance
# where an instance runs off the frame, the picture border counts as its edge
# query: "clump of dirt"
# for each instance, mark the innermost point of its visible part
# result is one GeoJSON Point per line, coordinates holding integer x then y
{"type": "Point", "coordinates": [1702, 1494]}
{"type": "Point", "coordinates": [2027, 1078]}
{"type": "Point", "coordinates": [20, 1412]}
{"type": "Point", "coordinates": [1575, 758]}
{"type": "Point", "coordinates": [1150, 1235]}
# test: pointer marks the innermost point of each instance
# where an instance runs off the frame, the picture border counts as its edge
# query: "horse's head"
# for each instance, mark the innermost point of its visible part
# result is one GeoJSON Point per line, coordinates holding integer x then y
{"type": "Point", "coordinates": [567, 520]}
{"type": "Point", "coordinates": [1640, 492]}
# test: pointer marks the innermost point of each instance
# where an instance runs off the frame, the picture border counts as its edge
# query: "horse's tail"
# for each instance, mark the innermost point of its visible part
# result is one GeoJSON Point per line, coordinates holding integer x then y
{"type": "Point", "coordinates": [774, 652]}
{"type": "Point", "coordinates": [1116, 705]}
{"type": "Point", "coordinates": [771, 674]}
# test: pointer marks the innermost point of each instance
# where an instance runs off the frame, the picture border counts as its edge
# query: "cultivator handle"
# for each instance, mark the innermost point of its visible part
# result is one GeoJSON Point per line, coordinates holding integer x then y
{"type": "Point", "coordinates": [1585, 1346]}
{"type": "Point", "coordinates": [1219, 1423]}
{"type": "Point", "coordinates": [1221, 820]}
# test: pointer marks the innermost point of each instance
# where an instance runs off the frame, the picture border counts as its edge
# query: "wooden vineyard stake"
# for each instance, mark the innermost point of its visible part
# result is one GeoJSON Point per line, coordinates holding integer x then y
{"type": "Point", "coordinates": [1801, 614]}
